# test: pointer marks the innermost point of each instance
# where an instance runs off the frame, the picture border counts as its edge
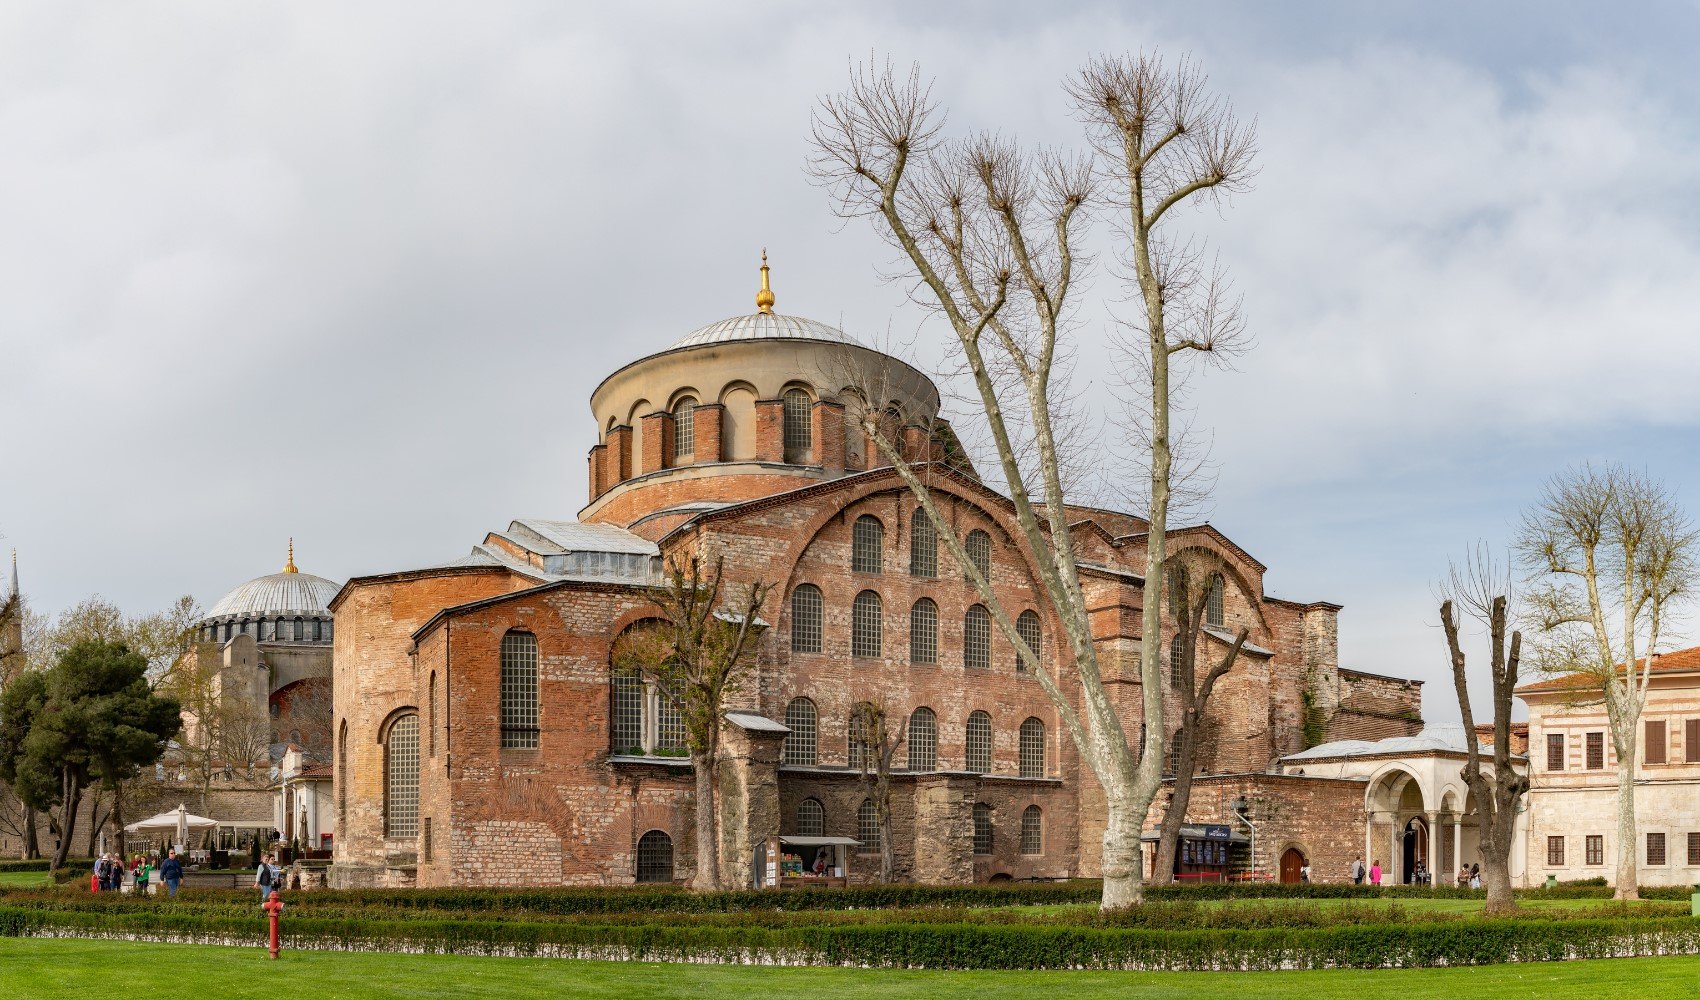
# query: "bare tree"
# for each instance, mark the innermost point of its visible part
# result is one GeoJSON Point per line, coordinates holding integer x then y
{"type": "Point", "coordinates": [1195, 582]}
{"type": "Point", "coordinates": [874, 743]}
{"type": "Point", "coordinates": [1483, 589]}
{"type": "Point", "coordinates": [1612, 554]}
{"type": "Point", "coordinates": [702, 656]}
{"type": "Point", "coordinates": [989, 234]}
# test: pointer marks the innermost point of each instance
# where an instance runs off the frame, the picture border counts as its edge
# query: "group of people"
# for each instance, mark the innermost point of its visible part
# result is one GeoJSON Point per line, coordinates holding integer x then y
{"type": "Point", "coordinates": [1359, 872]}
{"type": "Point", "coordinates": [110, 872]}
{"type": "Point", "coordinates": [1469, 876]}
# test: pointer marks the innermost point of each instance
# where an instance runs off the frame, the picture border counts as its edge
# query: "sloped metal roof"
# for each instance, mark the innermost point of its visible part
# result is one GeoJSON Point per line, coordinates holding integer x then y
{"type": "Point", "coordinates": [1433, 739]}
{"type": "Point", "coordinates": [763, 326]}
{"type": "Point", "coordinates": [279, 593]}
{"type": "Point", "coordinates": [572, 536]}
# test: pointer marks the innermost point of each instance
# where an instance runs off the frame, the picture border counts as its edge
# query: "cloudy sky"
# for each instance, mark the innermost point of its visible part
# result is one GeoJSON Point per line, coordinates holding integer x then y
{"type": "Point", "coordinates": [350, 275]}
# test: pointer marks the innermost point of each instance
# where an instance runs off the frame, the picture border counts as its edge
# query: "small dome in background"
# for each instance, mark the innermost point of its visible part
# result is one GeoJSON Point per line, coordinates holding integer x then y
{"type": "Point", "coordinates": [764, 326]}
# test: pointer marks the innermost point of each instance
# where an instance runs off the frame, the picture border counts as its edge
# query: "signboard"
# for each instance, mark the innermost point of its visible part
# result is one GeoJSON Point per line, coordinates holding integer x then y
{"type": "Point", "coordinates": [1216, 831]}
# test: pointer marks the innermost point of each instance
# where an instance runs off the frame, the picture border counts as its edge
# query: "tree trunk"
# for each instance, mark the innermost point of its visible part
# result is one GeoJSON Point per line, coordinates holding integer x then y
{"type": "Point", "coordinates": [1121, 865]}
{"type": "Point", "coordinates": [118, 819]}
{"type": "Point", "coordinates": [1627, 882]}
{"type": "Point", "coordinates": [1169, 834]}
{"type": "Point", "coordinates": [32, 843]}
{"type": "Point", "coordinates": [1496, 876]}
{"type": "Point", "coordinates": [73, 799]}
{"type": "Point", "coordinates": [708, 845]}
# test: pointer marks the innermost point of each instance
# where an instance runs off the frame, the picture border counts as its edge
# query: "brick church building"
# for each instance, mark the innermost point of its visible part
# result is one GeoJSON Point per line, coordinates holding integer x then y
{"type": "Point", "coordinates": [483, 736]}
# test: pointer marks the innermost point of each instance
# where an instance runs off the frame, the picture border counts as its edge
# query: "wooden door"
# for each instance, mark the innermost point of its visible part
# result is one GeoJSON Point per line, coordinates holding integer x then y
{"type": "Point", "coordinates": [1291, 862]}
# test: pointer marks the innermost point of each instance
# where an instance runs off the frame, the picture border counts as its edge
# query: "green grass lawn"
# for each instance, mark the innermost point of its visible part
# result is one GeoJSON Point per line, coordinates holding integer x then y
{"type": "Point", "coordinates": [22, 880]}
{"type": "Point", "coordinates": [70, 968]}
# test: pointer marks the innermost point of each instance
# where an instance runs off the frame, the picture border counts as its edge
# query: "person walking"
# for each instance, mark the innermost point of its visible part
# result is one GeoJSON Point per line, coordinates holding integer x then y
{"type": "Point", "coordinates": [1476, 876]}
{"type": "Point", "coordinates": [1358, 870]}
{"type": "Point", "coordinates": [267, 877]}
{"type": "Point", "coordinates": [143, 871]}
{"type": "Point", "coordinates": [171, 873]}
{"type": "Point", "coordinates": [1304, 871]}
{"type": "Point", "coordinates": [1375, 873]}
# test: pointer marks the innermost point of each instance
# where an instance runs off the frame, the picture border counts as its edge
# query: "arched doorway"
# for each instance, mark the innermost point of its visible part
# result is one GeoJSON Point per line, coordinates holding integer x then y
{"type": "Point", "coordinates": [1416, 850]}
{"type": "Point", "coordinates": [1291, 861]}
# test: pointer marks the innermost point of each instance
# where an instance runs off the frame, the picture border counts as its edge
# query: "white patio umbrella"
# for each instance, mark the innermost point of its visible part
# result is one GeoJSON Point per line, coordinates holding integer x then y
{"type": "Point", "coordinates": [179, 821]}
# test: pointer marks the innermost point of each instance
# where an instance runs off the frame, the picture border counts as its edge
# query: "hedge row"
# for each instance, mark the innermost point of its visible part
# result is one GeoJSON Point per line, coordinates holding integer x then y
{"type": "Point", "coordinates": [44, 864]}
{"type": "Point", "coordinates": [922, 946]}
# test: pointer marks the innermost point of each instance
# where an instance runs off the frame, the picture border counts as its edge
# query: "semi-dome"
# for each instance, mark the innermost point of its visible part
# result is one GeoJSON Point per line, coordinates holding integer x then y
{"type": "Point", "coordinates": [763, 326]}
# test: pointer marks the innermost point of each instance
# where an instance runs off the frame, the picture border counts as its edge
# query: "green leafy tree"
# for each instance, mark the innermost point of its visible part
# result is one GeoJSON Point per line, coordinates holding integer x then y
{"type": "Point", "coordinates": [92, 719]}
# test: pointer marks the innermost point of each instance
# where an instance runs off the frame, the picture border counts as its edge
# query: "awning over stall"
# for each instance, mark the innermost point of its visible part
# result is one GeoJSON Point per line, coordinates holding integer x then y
{"type": "Point", "coordinates": [1216, 832]}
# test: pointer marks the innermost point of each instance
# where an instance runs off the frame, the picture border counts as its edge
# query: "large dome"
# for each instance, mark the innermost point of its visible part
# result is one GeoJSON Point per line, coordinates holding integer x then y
{"type": "Point", "coordinates": [287, 594]}
{"type": "Point", "coordinates": [763, 326]}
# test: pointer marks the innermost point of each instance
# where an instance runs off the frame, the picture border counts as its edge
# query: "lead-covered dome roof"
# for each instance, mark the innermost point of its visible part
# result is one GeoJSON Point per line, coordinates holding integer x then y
{"type": "Point", "coordinates": [288, 594]}
{"type": "Point", "coordinates": [763, 326]}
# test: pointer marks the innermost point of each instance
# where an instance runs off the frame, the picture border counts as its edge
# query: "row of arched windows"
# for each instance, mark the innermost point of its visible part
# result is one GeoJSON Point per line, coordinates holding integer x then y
{"type": "Point", "coordinates": [867, 547]}
{"type": "Point", "coordinates": [811, 822]}
{"type": "Point", "coordinates": [867, 629]}
{"type": "Point", "coordinates": [297, 629]}
{"type": "Point", "coordinates": [921, 739]}
{"type": "Point", "coordinates": [798, 431]}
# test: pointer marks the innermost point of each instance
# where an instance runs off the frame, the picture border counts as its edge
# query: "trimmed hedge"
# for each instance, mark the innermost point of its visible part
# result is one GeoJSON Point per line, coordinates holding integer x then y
{"type": "Point", "coordinates": [921, 946]}
{"type": "Point", "coordinates": [44, 864]}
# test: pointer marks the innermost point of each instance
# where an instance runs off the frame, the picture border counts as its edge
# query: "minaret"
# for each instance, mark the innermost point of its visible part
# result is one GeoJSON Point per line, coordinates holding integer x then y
{"type": "Point", "coordinates": [764, 298]}
{"type": "Point", "coordinates": [12, 629]}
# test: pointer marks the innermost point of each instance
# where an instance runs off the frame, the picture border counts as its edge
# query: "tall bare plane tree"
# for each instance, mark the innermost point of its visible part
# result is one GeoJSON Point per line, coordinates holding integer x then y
{"type": "Point", "coordinates": [1483, 589]}
{"type": "Point", "coordinates": [874, 742]}
{"type": "Point", "coordinates": [989, 233]}
{"type": "Point", "coordinates": [1195, 582]}
{"type": "Point", "coordinates": [698, 659]}
{"type": "Point", "coordinates": [1612, 554]}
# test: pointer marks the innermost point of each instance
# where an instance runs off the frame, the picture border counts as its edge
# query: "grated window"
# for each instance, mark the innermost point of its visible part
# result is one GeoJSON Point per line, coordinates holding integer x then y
{"type": "Point", "coordinates": [655, 857]}
{"type": "Point", "coordinates": [977, 638]}
{"type": "Point", "coordinates": [627, 724]}
{"type": "Point", "coordinates": [669, 723]}
{"type": "Point", "coordinates": [924, 632]}
{"type": "Point", "coordinates": [1032, 831]}
{"type": "Point", "coordinates": [806, 619]}
{"type": "Point", "coordinates": [1032, 749]}
{"type": "Point", "coordinates": [866, 626]}
{"type": "Point", "coordinates": [979, 548]}
{"type": "Point", "coordinates": [923, 546]}
{"type": "Point", "coordinates": [1555, 751]}
{"type": "Point", "coordinates": [1655, 848]}
{"type": "Point", "coordinates": [684, 429]}
{"type": "Point", "coordinates": [1213, 602]}
{"type": "Point", "coordinates": [519, 691]}
{"type": "Point", "coordinates": [811, 818]}
{"type": "Point", "coordinates": [868, 827]}
{"type": "Point", "coordinates": [1027, 626]}
{"type": "Point", "coordinates": [401, 778]}
{"type": "Point", "coordinates": [867, 538]}
{"type": "Point", "coordinates": [979, 743]}
{"type": "Point", "coordinates": [802, 742]}
{"type": "Point", "coordinates": [982, 828]}
{"type": "Point", "coordinates": [799, 430]}
{"type": "Point", "coordinates": [923, 740]}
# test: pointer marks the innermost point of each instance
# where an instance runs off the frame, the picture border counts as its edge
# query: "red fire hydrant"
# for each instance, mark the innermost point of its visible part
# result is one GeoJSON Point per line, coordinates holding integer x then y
{"type": "Point", "coordinates": [273, 906]}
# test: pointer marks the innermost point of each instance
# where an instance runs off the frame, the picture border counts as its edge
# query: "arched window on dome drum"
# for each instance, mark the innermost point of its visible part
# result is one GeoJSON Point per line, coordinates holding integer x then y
{"type": "Point", "coordinates": [1027, 626]}
{"type": "Point", "coordinates": [519, 691]}
{"type": "Point", "coordinates": [868, 827]}
{"type": "Point", "coordinates": [979, 742]}
{"type": "Point", "coordinates": [923, 546]}
{"type": "Point", "coordinates": [300, 629]}
{"type": "Point", "coordinates": [924, 632]}
{"type": "Point", "coordinates": [1213, 602]}
{"type": "Point", "coordinates": [281, 632]}
{"type": "Point", "coordinates": [1032, 748]}
{"type": "Point", "coordinates": [401, 777]}
{"type": "Point", "coordinates": [977, 638]}
{"type": "Point", "coordinates": [330, 630]}
{"type": "Point", "coordinates": [799, 425]}
{"type": "Point", "coordinates": [982, 828]}
{"type": "Point", "coordinates": [655, 857]}
{"type": "Point", "coordinates": [867, 625]}
{"type": "Point", "coordinates": [923, 740]}
{"type": "Point", "coordinates": [979, 547]}
{"type": "Point", "coordinates": [806, 619]}
{"type": "Point", "coordinates": [867, 539]}
{"type": "Point", "coordinates": [811, 818]}
{"type": "Point", "coordinates": [684, 430]}
{"type": "Point", "coordinates": [802, 742]}
{"type": "Point", "coordinates": [1032, 830]}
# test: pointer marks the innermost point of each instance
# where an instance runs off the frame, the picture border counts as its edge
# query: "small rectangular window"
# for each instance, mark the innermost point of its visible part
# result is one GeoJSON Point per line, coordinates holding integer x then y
{"type": "Point", "coordinates": [1654, 733]}
{"type": "Point", "coordinates": [1596, 845]}
{"type": "Point", "coordinates": [1694, 849]}
{"type": "Point", "coordinates": [1691, 741]}
{"type": "Point", "coordinates": [427, 835]}
{"type": "Point", "coordinates": [1596, 751]}
{"type": "Point", "coordinates": [1555, 751]}
{"type": "Point", "coordinates": [1655, 848]}
{"type": "Point", "coordinates": [1555, 852]}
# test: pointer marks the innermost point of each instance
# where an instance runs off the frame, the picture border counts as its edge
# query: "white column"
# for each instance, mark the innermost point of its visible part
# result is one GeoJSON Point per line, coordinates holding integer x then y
{"type": "Point", "coordinates": [1457, 844]}
{"type": "Point", "coordinates": [1431, 849]}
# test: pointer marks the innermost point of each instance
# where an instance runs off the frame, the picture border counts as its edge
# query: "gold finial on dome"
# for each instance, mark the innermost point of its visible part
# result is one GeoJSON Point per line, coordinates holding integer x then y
{"type": "Point", "coordinates": [764, 298]}
{"type": "Point", "coordinates": [289, 567]}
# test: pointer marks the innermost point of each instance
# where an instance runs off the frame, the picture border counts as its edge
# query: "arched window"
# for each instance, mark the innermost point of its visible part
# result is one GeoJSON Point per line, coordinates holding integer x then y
{"type": "Point", "coordinates": [330, 630]}
{"type": "Point", "coordinates": [867, 627]}
{"type": "Point", "coordinates": [655, 857]}
{"type": "Point", "coordinates": [867, 538]}
{"type": "Point", "coordinates": [318, 633]}
{"type": "Point", "coordinates": [979, 742]}
{"type": "Point", "coordinates": [1176, 651]}
{"type": "Point", "coordinates": [1032, 830]}
{"type": "Point", "coordinates": [431, 717]}
{"type": "Point", "coordinates": [811, 818]}
{"type": "Point", "coordinates": [1027, 626]}
{"type": "Point", "coordinates": [1172, 755]}
{"type": "Point", "coordinates": [300, 630]}
{"type": "Point", "coordinates": [684, 430]}
{"type": "Point", "coordinates": [805, 619]}
{"type": "Point", "coordinates": [868, 827]}
{"type": "Point", "coordinates": [401, 777]}
{"type": "Point", "coordinates": [626, 724]}
{"type": "Point", "coordinates": [923, 740]}
{"type": "Point", "coordinates": [977, 638]}
{"type": "Point", "coordinates": [982, 828]}
{"type": "Point", "coordinates": [342, 777]}
{"type": "Point", "coordinates": [1213, 602]}
{"type": "Point", "coordinates": [923, 546]}
{"type": "Point", "coordinates": [802, 742]}
{"type": "Point", "coordinates": [280, 631]}
{"type": "Point", "coordinates": [799, 425]}
{"type": "Point", "coordinates": [979, 548]}
{"type": "Point", "coordinates": [1032, 749]}
{"type": "Point", "coordinates": [519, 691]}
{"type": "Point", "coordinates": [669, 724]}
{"type": "Point", "coordinates": [924, 632]}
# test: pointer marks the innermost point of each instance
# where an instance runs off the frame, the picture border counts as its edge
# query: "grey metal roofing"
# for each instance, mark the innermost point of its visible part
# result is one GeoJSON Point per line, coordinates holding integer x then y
{"type": "Point", "coordinates": [1440, 738]}
{"type": "Point", "coordinates": [756, 723]}
{"type": "Point", "coordinates": [279, 593]}
{"type": "Point", "coordinates": [763, 326]}
{"type": "Point", "coordinates": [572, 536]}
{"type": "Point", "coordinates": [1228, 637]}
